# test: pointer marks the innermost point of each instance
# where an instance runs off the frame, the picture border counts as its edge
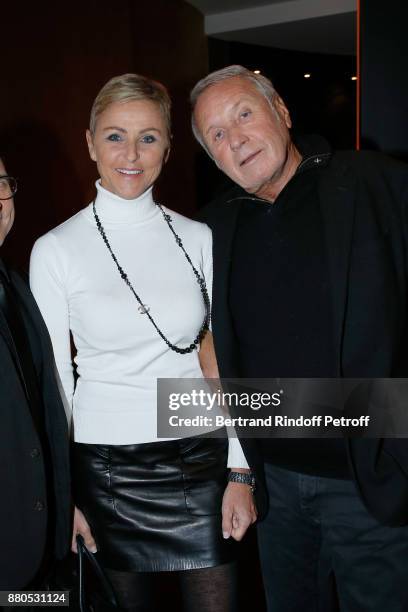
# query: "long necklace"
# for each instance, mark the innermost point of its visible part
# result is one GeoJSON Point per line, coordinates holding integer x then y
{"type": "Point", "coordinates": [142, 308]}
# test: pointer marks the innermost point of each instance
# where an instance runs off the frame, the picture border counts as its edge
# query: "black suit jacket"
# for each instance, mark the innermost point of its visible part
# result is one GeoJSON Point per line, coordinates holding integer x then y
{"type": "Point", "coordinates": [24, 512]}
{"type": "Point", "coordinates": [363, 199]}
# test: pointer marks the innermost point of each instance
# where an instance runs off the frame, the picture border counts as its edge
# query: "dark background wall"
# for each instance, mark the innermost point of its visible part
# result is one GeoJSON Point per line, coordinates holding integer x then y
{"type": "Point", "coordinates": [55, 58]}
{"type": "Point", "coordinates": [384, 76]}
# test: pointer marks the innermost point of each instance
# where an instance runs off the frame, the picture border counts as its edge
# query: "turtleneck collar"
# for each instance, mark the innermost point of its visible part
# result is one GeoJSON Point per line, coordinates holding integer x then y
{"type": "Point", "coordinates": [113, 209]}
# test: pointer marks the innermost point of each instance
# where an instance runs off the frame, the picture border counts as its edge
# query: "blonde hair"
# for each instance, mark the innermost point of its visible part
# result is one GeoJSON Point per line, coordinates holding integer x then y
{"type": "Point", "coordinates": [129, 87]}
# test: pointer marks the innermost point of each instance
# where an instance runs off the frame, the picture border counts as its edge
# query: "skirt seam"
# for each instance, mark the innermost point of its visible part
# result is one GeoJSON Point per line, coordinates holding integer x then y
{"type": "Point", "coordinates": [110, 481]}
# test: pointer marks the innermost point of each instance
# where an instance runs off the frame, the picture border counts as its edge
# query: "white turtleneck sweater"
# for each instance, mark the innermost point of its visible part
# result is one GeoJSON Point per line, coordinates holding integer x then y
{"type": "Point", "coordinates": [119, 353]}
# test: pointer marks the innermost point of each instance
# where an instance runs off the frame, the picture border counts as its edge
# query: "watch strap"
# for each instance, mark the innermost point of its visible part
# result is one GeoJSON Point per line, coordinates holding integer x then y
{"type": "Point", "coordinates": [242, 478]}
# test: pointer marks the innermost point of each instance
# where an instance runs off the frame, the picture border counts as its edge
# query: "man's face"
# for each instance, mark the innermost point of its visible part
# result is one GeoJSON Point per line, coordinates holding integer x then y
{"type": "Point", "coordinates": [6, 210]}
{"type": "Point", "coordinates": [247, 135]}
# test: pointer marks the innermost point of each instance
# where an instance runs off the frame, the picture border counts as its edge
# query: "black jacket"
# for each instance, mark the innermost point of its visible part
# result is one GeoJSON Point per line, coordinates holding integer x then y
{"type": "Point", "coordinates": [363, 199]}
{"type": "Point", "coordinates": [24, 513]}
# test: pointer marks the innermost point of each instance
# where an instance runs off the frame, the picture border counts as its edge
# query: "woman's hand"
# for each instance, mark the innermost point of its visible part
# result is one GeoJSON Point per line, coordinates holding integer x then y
{"type": "Point", "coordinates": [238, 510]}
{"type": "Point", "coordinates": [81, 527]}
{"type": "Point", "coordinates": [238, 506]}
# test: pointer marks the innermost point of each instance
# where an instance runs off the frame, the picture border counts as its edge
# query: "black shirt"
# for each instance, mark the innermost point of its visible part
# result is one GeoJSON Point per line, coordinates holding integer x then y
{"type": "Point", "coordinates": [280, 302]}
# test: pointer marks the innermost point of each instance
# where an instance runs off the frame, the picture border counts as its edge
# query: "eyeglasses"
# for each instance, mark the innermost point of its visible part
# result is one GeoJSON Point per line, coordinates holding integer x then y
{"type": "Point", "coordinates": [8, 187]}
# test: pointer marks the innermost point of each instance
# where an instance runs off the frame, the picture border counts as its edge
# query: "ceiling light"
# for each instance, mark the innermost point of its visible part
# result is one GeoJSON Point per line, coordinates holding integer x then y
{"type": "Point", "coordinates": [354, 78]}
{"type": "Point", "coordinates": [307, 75]}
{"type": "Point", "coordinates": [257, 72]}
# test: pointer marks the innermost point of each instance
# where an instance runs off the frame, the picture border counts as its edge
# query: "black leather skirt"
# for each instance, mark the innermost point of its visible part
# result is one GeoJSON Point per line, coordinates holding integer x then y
{"type": "Point", "coordinates": [155, 506]}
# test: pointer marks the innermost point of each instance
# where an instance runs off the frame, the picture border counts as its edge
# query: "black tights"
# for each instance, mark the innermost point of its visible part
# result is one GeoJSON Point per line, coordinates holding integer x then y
{"type": "Point", "coordinates": [211, 589]}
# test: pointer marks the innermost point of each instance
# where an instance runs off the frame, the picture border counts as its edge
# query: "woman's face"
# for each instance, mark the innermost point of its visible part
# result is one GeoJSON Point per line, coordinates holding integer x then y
{"type": "Point", "coordinates": [130, 146]}
{"type": "Point", "coordinates": [6, 211]}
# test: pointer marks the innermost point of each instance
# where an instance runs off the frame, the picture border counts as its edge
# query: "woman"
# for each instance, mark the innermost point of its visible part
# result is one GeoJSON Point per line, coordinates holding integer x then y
{"type": "Point", "coordinates": [130, 280]}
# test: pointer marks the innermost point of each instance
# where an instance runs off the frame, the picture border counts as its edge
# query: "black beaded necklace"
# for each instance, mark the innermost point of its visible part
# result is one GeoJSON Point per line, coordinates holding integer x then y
{"type": "Point", "coordinates": [142, 308]}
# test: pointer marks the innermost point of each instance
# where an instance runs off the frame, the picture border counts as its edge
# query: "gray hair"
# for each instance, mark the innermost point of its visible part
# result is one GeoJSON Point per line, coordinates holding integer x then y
{"type": "Point", "coordinates": [263, 84]}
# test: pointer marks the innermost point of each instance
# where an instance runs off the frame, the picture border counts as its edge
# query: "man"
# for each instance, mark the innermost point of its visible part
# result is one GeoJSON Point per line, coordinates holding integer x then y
{"type": "Point", "coordinates": [34, 472]}
{"type": "Point", "coordinates": [310, 280]}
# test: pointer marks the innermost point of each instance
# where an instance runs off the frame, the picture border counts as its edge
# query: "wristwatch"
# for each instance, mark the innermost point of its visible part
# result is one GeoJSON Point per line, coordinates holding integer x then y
{"type": "Point", "coordinates": [243, 478]}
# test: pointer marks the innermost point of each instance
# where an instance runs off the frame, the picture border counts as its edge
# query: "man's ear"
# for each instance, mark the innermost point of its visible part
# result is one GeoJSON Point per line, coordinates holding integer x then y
{"type": "Point", "coordinates": [91, 147]}
{"type": "Point", "coordinates": [282, 111]}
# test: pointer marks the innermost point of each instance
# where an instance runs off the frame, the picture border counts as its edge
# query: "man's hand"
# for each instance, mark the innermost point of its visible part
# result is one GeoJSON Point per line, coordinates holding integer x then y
{"type": "Point", "coordinates": [238, 510]}
{"type": "Point", "coordinates": [81, 526]}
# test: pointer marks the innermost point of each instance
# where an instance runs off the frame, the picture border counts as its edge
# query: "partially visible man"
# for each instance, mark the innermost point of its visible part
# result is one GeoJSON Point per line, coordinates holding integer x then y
{"type": "Point", "coordinates": [34, 466]}
{"type": "Point", "coordinates": [310, 280]}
